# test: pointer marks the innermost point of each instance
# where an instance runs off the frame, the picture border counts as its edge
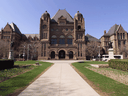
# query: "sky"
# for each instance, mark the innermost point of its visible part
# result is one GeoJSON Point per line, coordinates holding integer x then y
{"type": "Point", "coordinates": [99, 15]}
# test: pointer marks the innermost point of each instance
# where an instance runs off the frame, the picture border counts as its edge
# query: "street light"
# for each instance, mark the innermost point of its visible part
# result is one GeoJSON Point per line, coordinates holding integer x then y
{"type": "Point", "coordinates": [28, 51]}
{"type": "Point", "coordinates": [19, 57]}
{"type": "Point", "coordinates": [99, 53]}
{"type": "Point", "coordinates": [24, 53]}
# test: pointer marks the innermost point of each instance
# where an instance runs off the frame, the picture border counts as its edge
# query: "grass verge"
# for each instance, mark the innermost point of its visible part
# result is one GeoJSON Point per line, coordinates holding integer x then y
{"type": "Point", "coordinates": [21, 81]}
{"type": "Point", "coordinates": [107, 85]}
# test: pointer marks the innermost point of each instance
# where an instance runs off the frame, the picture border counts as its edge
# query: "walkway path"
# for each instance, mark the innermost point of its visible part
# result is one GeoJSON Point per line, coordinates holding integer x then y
{"type": "Point", "coordinates": [60, 80]}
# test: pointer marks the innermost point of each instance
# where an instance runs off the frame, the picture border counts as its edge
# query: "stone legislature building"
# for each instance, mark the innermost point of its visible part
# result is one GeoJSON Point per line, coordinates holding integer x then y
{"type": "Point", "coordinates": [60, 37]}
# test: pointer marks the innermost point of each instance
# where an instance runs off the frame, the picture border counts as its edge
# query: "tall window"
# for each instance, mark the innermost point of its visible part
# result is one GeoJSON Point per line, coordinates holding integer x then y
{"type": "Point", "coordinates": [123, 36]}
{"type": "Point", "coordinates": [54, 40]}
{"type": "Point", "coordinates": [124, 42]}
{"type": "Point", "coordinates": [118, 36]}
{"type": "Point", "coordinates": [78, 50]}
{"type": "Point", "coordinates": [81, 46]}
{"type": "Point", "coordinates": [119, 43]}
{"type": "Point", "coordinates": [44, 35]}
{"type": "Point", "coordinates": [69, 41]}
{"type": "Point", "coordinates": [62, 40]}
{"type": "Point", "coordinates": [43, 53]}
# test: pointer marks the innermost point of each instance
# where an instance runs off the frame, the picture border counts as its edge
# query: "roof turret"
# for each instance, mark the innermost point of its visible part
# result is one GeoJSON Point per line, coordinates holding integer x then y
{"type": "Point", "coordinates": [45, 14]}
{"type": "Point", "coordinates": [78, 14]}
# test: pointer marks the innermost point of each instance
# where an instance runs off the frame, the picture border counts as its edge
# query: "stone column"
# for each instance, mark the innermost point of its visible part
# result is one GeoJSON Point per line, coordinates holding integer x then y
{"type": "Point", "coordinates": [56, 56]}
{"type": "Point", "coordinates": [66, 56]}
{"type": "Point", "coordinates": [10, 55]}
{"type": "Point", "coordinates": [110, 53]}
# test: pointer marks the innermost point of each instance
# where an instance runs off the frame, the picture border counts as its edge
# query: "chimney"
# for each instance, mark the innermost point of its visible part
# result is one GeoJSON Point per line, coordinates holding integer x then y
{"type": "Point", "coordinates": [104, 32]}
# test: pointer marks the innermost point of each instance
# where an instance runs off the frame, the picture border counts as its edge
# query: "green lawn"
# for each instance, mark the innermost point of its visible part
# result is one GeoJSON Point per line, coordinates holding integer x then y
{"type": "Point", "coordinates": [22, 80]}
{"type": "Point", "coordinates": [106, 84]}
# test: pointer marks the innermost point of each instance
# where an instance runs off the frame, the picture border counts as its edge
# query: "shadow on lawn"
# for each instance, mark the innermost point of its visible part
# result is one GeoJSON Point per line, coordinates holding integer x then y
{"type": "Point", "coordinates": [17, 66]}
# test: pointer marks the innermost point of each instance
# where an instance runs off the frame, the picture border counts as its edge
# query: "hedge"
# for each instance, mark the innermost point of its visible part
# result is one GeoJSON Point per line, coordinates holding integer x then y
{"type": "Point", "coordinates": [5, 64]}
{"type": "Point", "coordinates": [118, 64]}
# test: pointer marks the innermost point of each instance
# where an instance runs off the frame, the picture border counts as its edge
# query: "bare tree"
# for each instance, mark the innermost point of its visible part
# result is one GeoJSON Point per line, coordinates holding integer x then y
{"type": "Point", "coordinates": [33, 50]}
{"type": "Point", "coordinates": [30, 50]}
{"type": "Point", "coordinates": [92, 49]}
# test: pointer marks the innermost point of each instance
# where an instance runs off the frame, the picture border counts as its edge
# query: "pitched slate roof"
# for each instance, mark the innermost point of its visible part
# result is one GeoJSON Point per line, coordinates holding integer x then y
{"type": "Point", "coordinates": [112, 30]}
{"type": "Point", "coordinates": [32, 35]}
{"type": "Point", "coordinates": [15, 28]}
{"type": "Point", "coordinates": [91, 38]}
{"type": "Point", "coordinates": [60, 13]}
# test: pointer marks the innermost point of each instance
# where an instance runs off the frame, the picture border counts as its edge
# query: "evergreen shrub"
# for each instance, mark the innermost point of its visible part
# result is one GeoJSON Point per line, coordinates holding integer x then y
{"type": "Point", "coordinates": [118, 64]}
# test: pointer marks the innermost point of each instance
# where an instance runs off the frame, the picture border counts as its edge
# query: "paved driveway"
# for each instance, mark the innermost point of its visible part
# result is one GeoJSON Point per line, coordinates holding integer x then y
{"type": "Point", "coordinates": [60, 80]}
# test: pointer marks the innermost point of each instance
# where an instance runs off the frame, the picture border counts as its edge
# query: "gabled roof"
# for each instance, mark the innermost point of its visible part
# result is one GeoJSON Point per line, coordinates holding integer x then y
{"type": "Point", "coordinates": [91, 38]}
{"type": "Point", "coordinates": [62, 13]}
{"type": "Point", "coordinates": [15, 28]}
{"type": "Point", "coordinates": [112, 30]}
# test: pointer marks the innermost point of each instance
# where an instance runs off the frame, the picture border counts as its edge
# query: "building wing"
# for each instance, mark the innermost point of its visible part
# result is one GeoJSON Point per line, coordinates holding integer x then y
{"type": "Point", "coordinates": [112, 30]}
{"type": "Point", "coordinates": [91, 38]}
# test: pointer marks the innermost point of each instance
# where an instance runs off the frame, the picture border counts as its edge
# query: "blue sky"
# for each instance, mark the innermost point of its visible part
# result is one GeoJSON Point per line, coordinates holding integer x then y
{"type": "Point", "coordinates": [99, 15]}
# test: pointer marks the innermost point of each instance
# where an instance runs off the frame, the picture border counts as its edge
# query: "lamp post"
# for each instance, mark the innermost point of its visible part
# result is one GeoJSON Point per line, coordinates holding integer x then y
{"type": "Point", "coordinates": [99, 53]}
{"type": "Point", "coordinates": [24, 53]}
{"type": "Point", "coordinates": [28, 52]}
{"type": "Point", "coordinates": [19, 57]}
{"type": "Point", "coordinates": [125, 51]}
{"type": "Point", "coordinates": [11, 51]}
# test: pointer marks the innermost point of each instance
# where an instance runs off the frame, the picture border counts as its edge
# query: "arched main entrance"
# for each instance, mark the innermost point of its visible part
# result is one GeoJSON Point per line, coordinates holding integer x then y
{"type": "Point", "coordinates": [52, 55]}
{"type": "Point", "coordinates": [61, 54]}
{"type": "Point", "coordinates": [70, 55]}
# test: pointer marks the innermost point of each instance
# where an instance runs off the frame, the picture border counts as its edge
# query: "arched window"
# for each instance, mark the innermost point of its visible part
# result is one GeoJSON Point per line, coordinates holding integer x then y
{"type": "Point", "coordinates": [62, 39]}
{"type": "Point", "coordinates": [70, 36]}
{"type": "Point", "coordinates": [30, 38]}
{"type": "Point", "coordinates": [54, 36]}
{"type": "Point", "coordinates": [62, 36]}
{"type": "Point", "coordinates": [35, 38]}
{"type": "Point", "coordinates": [79, 27]}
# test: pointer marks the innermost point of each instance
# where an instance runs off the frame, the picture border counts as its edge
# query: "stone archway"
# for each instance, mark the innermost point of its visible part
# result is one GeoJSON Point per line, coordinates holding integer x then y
{"type": "Point", "coordinates": [61, 54]}
{"type": "Point", "coordinates": [52, 55]}
{"type": "Point", "coordinates": [70, 55]}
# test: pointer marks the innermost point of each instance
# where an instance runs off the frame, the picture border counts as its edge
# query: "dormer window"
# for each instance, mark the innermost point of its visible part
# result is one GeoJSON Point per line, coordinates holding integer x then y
{"type": "Point", "coordinates": [61, 22]}
{"type": "Point", "coordinates": [56, 29]}
{"type": "Point", "coordinates": [54, 36]}
{"type": "Point", "coordinates": [52, 29]}
{"type": "Point", "coordinates": [66, 29]}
